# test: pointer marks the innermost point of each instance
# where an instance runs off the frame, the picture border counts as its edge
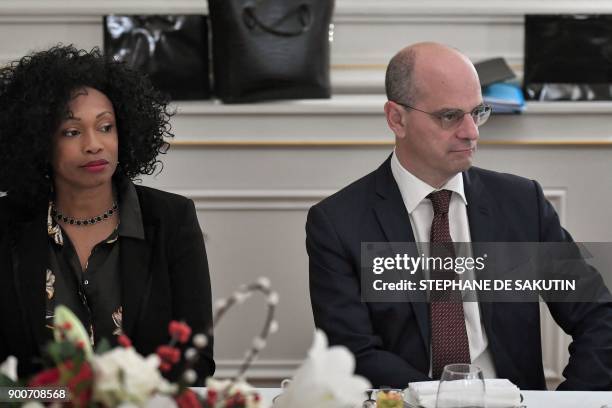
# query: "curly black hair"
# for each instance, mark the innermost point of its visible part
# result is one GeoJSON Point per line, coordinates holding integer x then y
{"type": "Point", "coordinates": [34, 96]}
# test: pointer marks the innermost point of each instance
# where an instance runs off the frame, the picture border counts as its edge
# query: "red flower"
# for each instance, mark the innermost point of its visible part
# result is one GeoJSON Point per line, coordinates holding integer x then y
{"type": "Point", "coordinates": [169, 354]}
{"type": "Point", "coordinates": [47, 377]}
{"type": "Point", "coordinates": [179, 331]}
{"type": "Point", "coordinates": [188, 399]}
{"type": "Point", "coordinates": [240, 400]}
{"type": "Point", "coordinates": [164, 367]}
{"type": "Point", "coordinates": [80, 385]}
{"type": "Point", "coordinates": [124, 341]}
{"type": "Point", "coordinates": [211, 397]}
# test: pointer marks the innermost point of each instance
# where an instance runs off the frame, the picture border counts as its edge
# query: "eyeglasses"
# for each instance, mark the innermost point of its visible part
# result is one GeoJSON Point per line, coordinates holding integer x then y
{"type": "Point", "coordinates": [450, 118]}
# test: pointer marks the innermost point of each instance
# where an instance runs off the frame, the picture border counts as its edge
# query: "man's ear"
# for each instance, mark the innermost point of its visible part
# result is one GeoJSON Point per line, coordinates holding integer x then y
{"type": "Point", "coordinates": [396, 120]}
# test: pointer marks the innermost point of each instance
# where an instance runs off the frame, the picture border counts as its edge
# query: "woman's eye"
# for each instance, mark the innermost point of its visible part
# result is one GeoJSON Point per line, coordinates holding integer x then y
{"type": "Point", "coordinates": [71, 132]}
{"type": "Point", "coordinates": [107, 128]}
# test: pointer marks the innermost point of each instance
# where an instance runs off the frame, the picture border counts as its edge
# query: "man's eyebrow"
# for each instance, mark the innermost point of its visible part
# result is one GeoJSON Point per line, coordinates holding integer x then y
{"type": "Point", "coordinates": [447, 109]}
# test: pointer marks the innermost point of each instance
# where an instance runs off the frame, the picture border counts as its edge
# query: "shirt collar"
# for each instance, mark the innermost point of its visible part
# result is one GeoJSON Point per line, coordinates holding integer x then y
{"type": "Point", "coordinates": [130, 224]}
{"type": "Point", "coordinates": [414, 190]}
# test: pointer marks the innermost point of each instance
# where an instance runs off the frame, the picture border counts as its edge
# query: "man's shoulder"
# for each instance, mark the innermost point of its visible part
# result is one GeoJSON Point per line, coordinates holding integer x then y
{"type": "Point", "coordinates": [351, 198]}
{"type": "Point", "coordinates": [499, 182]}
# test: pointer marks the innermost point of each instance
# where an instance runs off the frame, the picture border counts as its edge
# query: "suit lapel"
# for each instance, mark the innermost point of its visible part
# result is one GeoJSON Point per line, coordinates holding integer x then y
{"type": "Point", "coordinates": [483, 214]}
{"type": "Point", "coordinates": [135, 260]}
{"type": "Point", "coordinates": [487, 224]}
{"type": "Point", "coordinates": [30, 254]}
{"type": "Point", "coordinates": [395, 223]}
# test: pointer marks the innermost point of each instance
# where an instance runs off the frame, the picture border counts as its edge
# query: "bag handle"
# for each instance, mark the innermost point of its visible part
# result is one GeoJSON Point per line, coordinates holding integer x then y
{"type": "Point", "coordinates": [304, 15]}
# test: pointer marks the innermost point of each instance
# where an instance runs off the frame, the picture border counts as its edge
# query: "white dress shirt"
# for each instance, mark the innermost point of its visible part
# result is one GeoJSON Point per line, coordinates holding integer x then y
{"type": "Point", "coordinates": [420, 212]}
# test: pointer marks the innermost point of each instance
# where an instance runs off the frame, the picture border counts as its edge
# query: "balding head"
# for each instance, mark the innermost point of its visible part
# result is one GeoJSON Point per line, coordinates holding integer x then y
{"type": "Point", "coordinates": [411, 70]}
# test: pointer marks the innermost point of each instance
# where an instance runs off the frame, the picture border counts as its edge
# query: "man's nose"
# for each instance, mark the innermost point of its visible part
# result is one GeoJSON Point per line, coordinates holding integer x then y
{"type": "Point", "coordinates": [467, 128]}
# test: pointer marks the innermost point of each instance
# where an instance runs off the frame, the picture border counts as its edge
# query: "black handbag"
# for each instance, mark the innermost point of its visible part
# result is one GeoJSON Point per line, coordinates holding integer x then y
{"type": "Point", "coordinates": [270, 49]}
{"type": "Point", "coordinates": [171, 49]}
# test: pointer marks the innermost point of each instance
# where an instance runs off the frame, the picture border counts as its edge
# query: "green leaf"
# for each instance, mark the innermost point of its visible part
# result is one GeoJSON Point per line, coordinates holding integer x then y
{"type": "Point", "coordinates": [6, 381]}
{"type": "Point", "coordinates": [76, 333]}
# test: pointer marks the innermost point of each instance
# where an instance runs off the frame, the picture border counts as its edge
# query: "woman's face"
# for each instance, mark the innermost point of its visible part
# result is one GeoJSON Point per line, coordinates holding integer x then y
{"type": "Point", "coordinates": [85, 144]}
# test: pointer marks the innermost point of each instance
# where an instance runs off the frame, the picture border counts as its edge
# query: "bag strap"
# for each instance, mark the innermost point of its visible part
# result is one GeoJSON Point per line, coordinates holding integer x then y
{"type": "Point", "coordinates": [304, 15]}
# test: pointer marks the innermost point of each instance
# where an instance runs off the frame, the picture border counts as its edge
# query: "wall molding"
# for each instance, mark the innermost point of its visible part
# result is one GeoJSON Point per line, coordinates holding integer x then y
{"type": "Point", "coordinates": [558, 198]}
{"type": "Point", "coordinates": [270, 369]}
{"type": "Point", "coordinates": [298, 200]}
{"type": "Point", "coordinates": [254, 200]}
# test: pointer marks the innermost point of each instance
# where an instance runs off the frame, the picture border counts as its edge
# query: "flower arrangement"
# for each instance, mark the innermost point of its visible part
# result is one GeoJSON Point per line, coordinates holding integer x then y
{"type": "Point", "coordinates": [120, 376]}
{"type": "Point", "coordinates": [110, 377]}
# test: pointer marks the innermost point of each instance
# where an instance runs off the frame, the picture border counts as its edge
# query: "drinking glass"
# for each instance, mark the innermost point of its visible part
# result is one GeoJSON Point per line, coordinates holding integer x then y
{"type": "Point", "coordinates": [461, 386]}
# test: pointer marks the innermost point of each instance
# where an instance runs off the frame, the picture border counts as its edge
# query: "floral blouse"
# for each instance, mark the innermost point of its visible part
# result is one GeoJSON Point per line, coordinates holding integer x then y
{"type": "Point", "coordinates": [94, 294]}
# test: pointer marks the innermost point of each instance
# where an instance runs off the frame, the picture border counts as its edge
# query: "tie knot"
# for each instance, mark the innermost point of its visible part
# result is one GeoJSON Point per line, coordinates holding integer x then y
{"type": "Point", "coordinates": [440, 201]}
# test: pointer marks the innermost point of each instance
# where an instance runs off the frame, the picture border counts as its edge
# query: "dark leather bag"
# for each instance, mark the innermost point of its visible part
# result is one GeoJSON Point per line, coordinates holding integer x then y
{"type": "Point", "coordinates": [270, 49]}
{"type": "Point", "coordinates": [171, 49]}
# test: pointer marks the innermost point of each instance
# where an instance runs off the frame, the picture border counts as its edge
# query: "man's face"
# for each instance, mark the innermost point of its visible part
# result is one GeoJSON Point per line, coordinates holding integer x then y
{"type": "Point", "coordinates": [434, 150]}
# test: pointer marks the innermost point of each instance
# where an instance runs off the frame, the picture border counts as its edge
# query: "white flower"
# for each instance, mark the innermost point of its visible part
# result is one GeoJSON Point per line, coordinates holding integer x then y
{"type": "Point", "coordinates": [273, 299]}
{"type": "Point", "coordinates": [161, 401]}
{"type": "Point", "coordinates": [226, 389]}
{"type": "Point", "coordinates": [220, 304]}
{"type": "Point", "coordinates": [200, 340]}
{"type": "Point", "coordinates": [190, 376]}
{"type": "Point", "coordinates": [241, 297]}
{"type": "Point", "coordinates": [190, 354]}
{"type": "Point", "coordinates": [9, 368]}
{"type": "Point", "coordinates": [264, 283]}
{"type": "Point", "coordinates": [122, 375]}
{"type": "Point", "coordinates": [273, 326]}
{"type": "Point", "coordinates": [325, 379]}
{"type": "Point", "coordinates": [259, 343]}
{"type": "Point", "coordinates": [32, 404]}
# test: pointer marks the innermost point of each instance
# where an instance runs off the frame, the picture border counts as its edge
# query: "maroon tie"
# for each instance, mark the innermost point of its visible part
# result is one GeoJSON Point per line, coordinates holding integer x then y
{"type": "Point", "coordinates": [449, 341]}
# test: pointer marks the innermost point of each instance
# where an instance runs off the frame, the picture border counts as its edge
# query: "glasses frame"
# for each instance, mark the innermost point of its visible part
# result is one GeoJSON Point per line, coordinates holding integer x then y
{"type": "Point", "coordinates": [438, 115]}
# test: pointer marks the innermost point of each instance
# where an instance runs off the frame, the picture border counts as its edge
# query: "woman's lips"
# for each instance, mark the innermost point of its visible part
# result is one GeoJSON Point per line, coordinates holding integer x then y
{"type": "Point", "coordinates": [96, 166]}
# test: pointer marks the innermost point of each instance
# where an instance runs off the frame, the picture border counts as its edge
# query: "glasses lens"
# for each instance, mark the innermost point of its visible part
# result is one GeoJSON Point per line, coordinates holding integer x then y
{"type": "Point", "coordinates": [451, 118]}
{"type": "Point", "coordinates": [481, 114]}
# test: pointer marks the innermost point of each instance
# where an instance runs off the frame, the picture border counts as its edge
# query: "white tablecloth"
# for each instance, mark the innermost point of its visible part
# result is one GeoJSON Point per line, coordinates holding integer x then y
{"type": "Point", "coordinates": [532, 399]}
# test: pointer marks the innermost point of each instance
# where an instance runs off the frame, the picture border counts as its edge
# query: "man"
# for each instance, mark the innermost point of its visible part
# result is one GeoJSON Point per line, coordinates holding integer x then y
{"type": "Point", "coordinates": [428, 191]}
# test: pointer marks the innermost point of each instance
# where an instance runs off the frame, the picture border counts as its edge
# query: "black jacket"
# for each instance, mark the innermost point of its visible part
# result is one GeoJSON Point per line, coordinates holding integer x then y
{"type": "Point", "coordinates": [164, 277]}
{"type": "Point", "coordinates": [391, 341]}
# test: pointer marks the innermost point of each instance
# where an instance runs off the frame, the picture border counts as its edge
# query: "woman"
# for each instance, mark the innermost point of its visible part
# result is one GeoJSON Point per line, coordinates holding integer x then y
{"type": "Point", "coordinates": [75, 129]}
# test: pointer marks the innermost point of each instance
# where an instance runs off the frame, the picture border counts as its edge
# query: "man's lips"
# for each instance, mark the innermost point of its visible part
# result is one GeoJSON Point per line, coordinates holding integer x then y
{"type": "Point", "coordinates": [465, 149]}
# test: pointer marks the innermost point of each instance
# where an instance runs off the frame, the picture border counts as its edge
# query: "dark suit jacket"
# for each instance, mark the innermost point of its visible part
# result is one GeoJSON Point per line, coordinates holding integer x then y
{"type": "Point", "coordinates": [164, 277]}
{"type": "Point", "coordinates": [391, 341]}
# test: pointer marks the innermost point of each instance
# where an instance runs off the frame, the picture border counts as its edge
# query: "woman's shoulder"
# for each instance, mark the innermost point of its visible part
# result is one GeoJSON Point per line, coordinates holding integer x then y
{"type": "Point", "coordinates": [6, 209]}
{"type": "Point", "coordinates": [14, 211]}
{"type": "Point", "coordinates": [153, 200]}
